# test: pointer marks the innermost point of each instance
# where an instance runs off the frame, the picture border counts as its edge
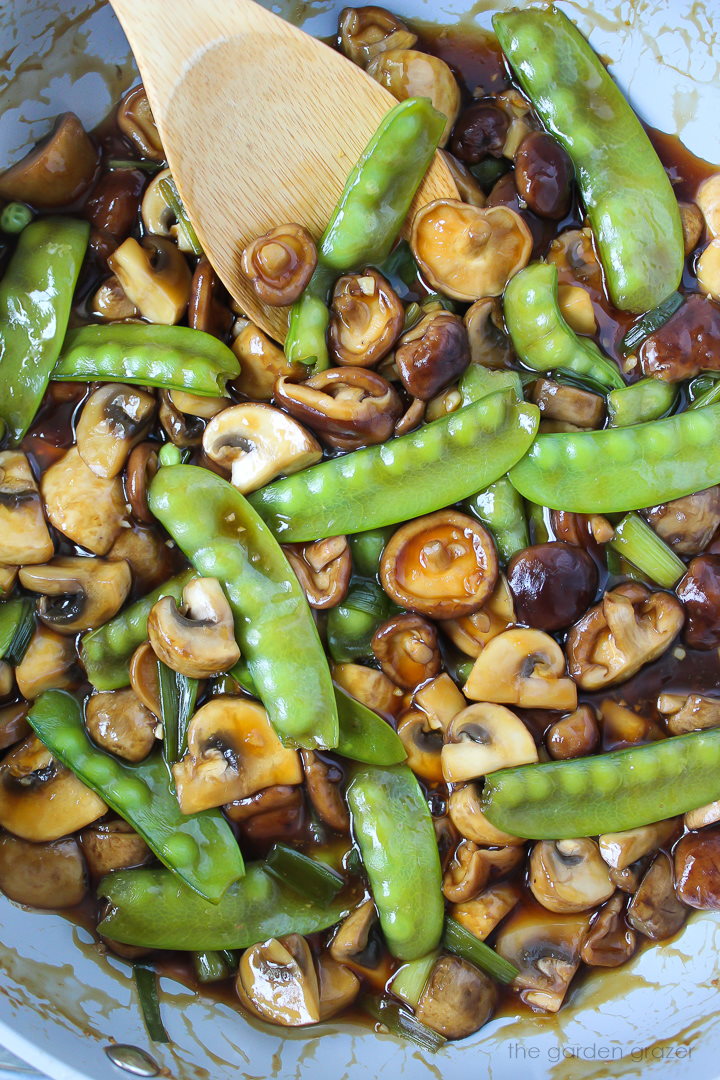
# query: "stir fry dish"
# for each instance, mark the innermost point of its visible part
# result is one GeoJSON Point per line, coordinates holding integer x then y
{"type": "Point", "coordinates": [376, 672]}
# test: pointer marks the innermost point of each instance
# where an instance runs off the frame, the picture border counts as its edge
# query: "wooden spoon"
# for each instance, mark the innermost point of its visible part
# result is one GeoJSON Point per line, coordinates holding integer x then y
{"type": "Point", "coordinates": [261, 124]}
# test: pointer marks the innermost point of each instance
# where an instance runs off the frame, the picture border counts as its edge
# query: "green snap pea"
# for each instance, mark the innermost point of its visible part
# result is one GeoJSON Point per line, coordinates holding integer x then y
{"type": "Point", "coordinates": [646, 400]}
{"type": "Point", "coordinates": [35, 299]}
{"type": "Point", "coordinates": [366, 549]}
{"type": "Point", "coordinates": [106, 652]}
{"type": "Point", "coordinates": [170, 357]}
{"type": "Point", "coordinates": [439, 464]}
{"type": "Point", "coordinates": [200, 849]}
{"type": "Point", "coordinates": [393, 828]}
{"type": "Point", "coordinates": [500, 508]}
{"type": "Point", "coordinates": [629, 199]}
{"type": "Point", "coordinates": [625, 789]}
{"type": "Point", "coordinates": [478, 382]}
{"type": "Point", "coordinates": [618, 469]}
{"type": "Point", "coordinates": [152, 909]}
{"type": "Point", "coordinates": [223, 537]}
{"type": "Point", "coordinates": [542, 338]}
{"type": "Point", "coordinates": [352, 623]}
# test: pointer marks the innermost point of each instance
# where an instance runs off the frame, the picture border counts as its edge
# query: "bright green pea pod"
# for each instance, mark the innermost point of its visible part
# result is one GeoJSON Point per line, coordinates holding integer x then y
{"type": "Point", "coordinates": [106, 652]}
{"type": "Point", "coordinates": [540, 335]}
{"type": "Point", "coordinates": [629, 199]}
{"type": "Point", "coordinates": [35, 299]}
{"type": "Point", "coordinates": [646, 400]}
{"type": "Point", "coordinates": [501, 509]}
{"type": "Point", "coordinates": [618, 469]}
{"type": "Point", "coordinates": [625, 789]}
{"type": "Point", "coordinates": [223, 537]}
{"type": "Point", "coordinates": [154, 910]}
{"type": "Point", "coordinates": [393, 828]}
{"type": "Point", "coordinates": [478, 382]}
{"type": "Point", "coordinates": [365, 736]}
{"type": "Point", "coordinates": [200, 849]}
{"type": "Point", "coordinates": [306, 341]}
{"type": "Point", "coordinates": [170, 357]}
{"type": "Point", "coordinates": [439, 464]}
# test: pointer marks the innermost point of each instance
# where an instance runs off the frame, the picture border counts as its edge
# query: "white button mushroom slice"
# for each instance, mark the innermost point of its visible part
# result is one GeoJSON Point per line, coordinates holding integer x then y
{"type": "Point", "coordinates": [155, 277]}
{"type": "Point", "coordinates": [24, 536]}
{"type": "Point", "coordinates": [86, 508]}
{"type": "Point", "coordinates": [569, 875]}
{"type": "Point", "coordinates": [458, 998]}
{"type": "Point", "coordinates": [707, 270]}
{"type": "Point", "coordinates": [704, 815]}
{"type": "Point", "coordinates": [277, 981]}
{"type": "Point", "coordinates": [113, 420]}
{"type": "Point", "coordinates": [483, 738]}
{"type": "Point", "coordinates": [78, 593]}
{"type": "Point", "coordinates": [708, 199]}
{"type": "Point", "coordinates": [339, 986]}
{"type": "Point", "coordinates": [440, 700]}
{"type": "Point", "coordinates": [113, 845]}
{"type": "Point", "coordinates": [42, 875]}
{"type": "Point", "coordinates": [7, 680]}
{"type": "Point", "coordinates": [197, 405]}
{"type": "Point", "coordinates": [201, 642]}
{"type": "Point", "coordinates": [423, 746]}
{"type": "Point", "coordinates": [525, 668]}
{"type": "Point", "coordinates": [689, 713]}
{"type": "Point", "coordinates": [118, 721]}
{"type": "Point", "coordinates": [48, 663]}
{"type": "Point", "coordinates": [8, 576]}
{"type": "Point", "coordinates": [232, 752]}
{"type": "Point", "coordinates": [483, 913]}
{"type": "Point", "coordinates": [262, 361]}
{"type": "Point", "coordinates": [365, 32]}
{"type": "Point", "coordinates": [257, 443]}
{"type": "Point", "coordinates": [545, 947]}
{"type": "Point", "coordinates": [464, 808]}
{"type": "Point", "coordinates": [620, 849]}
{"type": "Point", "coordinates": [159, 217]}
{"type": "Point", "coordinates": [466, 873]}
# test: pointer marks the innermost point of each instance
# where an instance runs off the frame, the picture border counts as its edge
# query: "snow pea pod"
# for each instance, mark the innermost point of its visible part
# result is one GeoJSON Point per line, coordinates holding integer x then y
{"type": "Point", "coordinates": [223, 537]}
{"type": "Point", "coordinates": [625, 789]}
{"type": "Point", "coordinates": [501, 509]}
{"type": "Point", "coordinates": [151, 908]}
{"type": "Point", "coordinates": [200, 849]}
{"type": "Point", "coordinates": [648, 399]}
{"type": "Point", "coordinates": [618, 469]}
{"type": "Point", "coordinates": [392, 825]}
{"type": "Point", "coordinates": [106, 652]}
{"type": "Point", "coordinates": [170, 357]}
{"type": "Point", "coordinates": [542, 338]}
{"type": "Point", "coordinates": [35, 298]}
{"type": "Point", "coordinates": [439, 464]}
{"type": "Point", "coordinates": [629, 199]}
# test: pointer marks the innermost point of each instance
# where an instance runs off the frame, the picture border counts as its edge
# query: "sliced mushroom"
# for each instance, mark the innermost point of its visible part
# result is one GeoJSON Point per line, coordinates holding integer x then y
{"type": "Point", "coordinates": [440, 700]}
{"type": "Point", "coordinates": [568, 403]}
{"type": "Point", "coordinates": [113, 420]}
{"type": "Point", "coordinates": [24, 536]}
{"type": "Point", "coordinates": [339, 986]}
{"type": "Point", "coordinates": [207, 307]}
{"type": "Point", "coordinates": [468, 188]}
{"type": "Point", "coordinates": [197, 405]}
{"type": "Point", "coordinates": [545, 946]}
{"type": "Point", "coordinates": [481, 132]}
{"type": "Point", "coordinates": [408, 73]}
{"type": "Point", "coordinates": [467, 252]}
{"type": "Point", "coordinates": [322, 779]}
{"type": "Point", "coordinates": [371, 687]}
{"type": "Point", "coordinates": [699, 591]}
{"type": "Point", "coordinates": [136, 121]}
{"type": "Point", "coordinates": [78, 593]}
{"type": "Point", "coordinates": [148, 555]}
{"type": "Point", "coordinates": [49, 663]}
{"type": "Point", "coordinates": [257, 443]}
{"type": "Point", "coordinates": [118, 721]}
{"type": "Point", "coordinates": [522, 667]}
{"type": "Point", "coordinates": [573, 252]}
{"type": "Point", "coordinates": [406, 647]}
{"type": "Point", "coordinates": [433, 354]}
{"type": "Point", "coordinates": [181, 429]}
{"type": "Point", "coordinates": [621, 727]}
{"type": "Point", "coordinates": [577, 309]}
{"type": "Point", "coordinates": [86, 508]}
{"type": "Point", "coordinates": [411, 418]}
{"type": "Point", "coordinates": [110, 303]}
{"type": "Point", "coordinates": [8, 577]}
{"type": "Point", "coordinates": [323, 568]}
{"type": "Point", "coordinates": [466, 873]}
{"type": "Point", "coordinates": [113, 845]}
{"type": "Point", "coordinates": [470, 633]}
{"type": "Point", "coordinates": [629, 879]}
{"type": "Point", "coordinates": [703, 816]}
{"type": "Point", "coordinates": [422, 745]}
{"type": "Point", "coordinates": [200, 641]}
{"type": "Point", "coordinates": [7, 680]}
{"type": "Point", "coordinates": [481, 914]}
{"type": "Point", "coordinates": [458, 998]}
{"type": "Point", "coordinates": [629, 628]}
{"type": "Point", "coordinates": [280, 263]}
{"type": "Point", "coordinates": [697, 870]}
{"type": "Point", "coordinates": [13, 724]}
{"type": "Point", "coordinates": [483, 738]}
{"type": "Point", "coordinates": [277, 981]}
{"type": "Point", "coordinates": [357, 943]}
{"type": "Point", "coordinates": [42, 875]}
{"type": "Point", "coordinates": [159, 217]}
{"type": "Point", "coordinates": [464, 808]}
{"type": "Point", "coordinates": [707, 270]}
{"type": "Point", "coordinates": [57, 171]}
{"type": "Point", "coordinates": [449, 401]}
{"type": "Point", "coordinates": [142, 465]}
{"type": "Point", "coordinates": [40, 799]}
{"type": "Point", "coordinates": [365, 32]}
{"type": "Point", "coordinates": [707, 198]}
{"type": "Point", "coordinates": [443, 565]}
{"type": "Point", "coordinates": [144, 678]}
{"type": "Point", "coordinates": [155, 276]}
{"type": "Point", "coordinates": [693, 225]}
{"type": "Point", "coordinates": [655, 910]}
{"type": "Point", "coordinates": [569, 875]}
{"type": "Point", "coordinates": [366, 319]}
{"type": "Point", "coordinates": [620, 849]}
{"type": "Point", "coordinates": [688, 524]}
{"type": "Point", "coordinates": [576, 735]}
{"type": "Point", "coordinates": [275, 813]}
{"type": "Point", "coordinates": [232, 752]}
{"type": "Point", "coordinates": [262, 362]}
{"type": "Point", "coordinates": [490, 346]}
{"type": "Point", "coordinates": [347, 407]}
{"type": "Point", "coordinates": [609, 942]}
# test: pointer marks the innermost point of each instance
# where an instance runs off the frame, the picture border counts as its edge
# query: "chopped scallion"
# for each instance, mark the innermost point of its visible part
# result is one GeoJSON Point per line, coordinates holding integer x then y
{"type": "Point", "coordinates": [400, 1022]}
{"type": "Point", "coordinates": [410, 980]}
{"type": "Point", "coordinates": [178, 695]}
{"type": "Point", "coordinates": [130, 163]}
{"type": "Point", "coordinates": [636, 541]}
{"type": "Point", "coordinates": [147, 989]}
{"type": "Point", "coordinates": [214, 966]}
{"type": "Point", "coordinates": [302, 874]}
{"type": "Point", "coordinates": [457, 939]}
{"type": "Point", "coordinates": [16, 626]}
{"type": "Point", "coordinates": [169, 192]}
{"type": "Point", "coordinates": [708, 397]}
{"type": "Point", "coordinates": [651, 321]}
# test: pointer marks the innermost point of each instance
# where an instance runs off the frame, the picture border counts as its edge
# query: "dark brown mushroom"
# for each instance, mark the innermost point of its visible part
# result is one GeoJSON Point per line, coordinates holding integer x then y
{"type": "Point", "coordinates": [280, 263]}
{"type": "Point", "coordinates": [364, 32]}
{"type": "Point", "coordinates": [468, 188]}
{"type": "Point", "coordinates": [685, 345]}
{"type": "Point", "coordinates": [155, 276]}
{"type": "Point", "coordinates": [136, 121]}
{"type": "Point", "coordinates": [366, 318]}
{"type": "Point", "coordinates": [207, 309]}
{"type": "Point", "coordinates": [688, 524]}
{"type": "Point", "coordinates": [552, 584]}
{"type": "Point", "coordinates": [609, 941]}
{"type": "Point", "coordinates": [699, 591]}
{"type": "Point", "coordinates": [113, 845]}
{"type": "Point", "coordinates": [655, 910]}
{"type": "Point", "coordinates": [323, 568]}
{"type": "Point", "coordinates": [139, 471]}
{"type": "Point", "coordinates": [583, 530]}
{"type": "Point", "coordinates": [433, 354]}
{"type": "Point", "coordinates": [458, 998]}
{"type": "Point", "coordinates": [568, 404]}
{"type": "Point", "coordinates": [544, 175]}
{"type": "Point", "coordinates": [323, 779]}
{"type": "Point", "coordinates": [490, 346]}
{"type": "Point", "coordinates": [358, 944]}
{"type": "Point", "coordinates": [576, 735]}
{"type": "Point", "coordinates": [57, 171]}
{"type": "Point", "coordinates": [182, 429]}
{"type": "Point", "coordinates": [113, 207]}
{"type": "Point", "coordinates": [697, 869]}
{"type": "Point", "coordinates": [693, 225]}
{"type": "Point", "coordinates": [480, 132]}
{"type": "Point", "coordinates": [347, 407]}
{"type": "Point", "coordinates": [443, 565]}
{"type": "Point", "coordinates": [42, 875]}
{"type": "Point", "coordinates": [411, 418]}
{"type": "Point", "coordinates": [407, 649]}
{"type": "Point", "coordinates": [146, 551]}
{"type": "Point", "coordinates": [275, 813]}
{"type": "Point", "coordinates": [119, 722]}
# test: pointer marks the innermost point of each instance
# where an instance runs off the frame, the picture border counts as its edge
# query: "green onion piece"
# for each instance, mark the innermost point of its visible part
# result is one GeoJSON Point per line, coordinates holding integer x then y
{"type": "Point", "coordinates": [646, 400]}
{"type": "Point", "coordinates": [400, 268]}
{"type": "Point", "coordinates": [488, 172]}
{"type": "Point", "coordinates": [130, 163]}
{"type": "Point", "coordinates": [709, 397]}
{"type": "Point", "coordinates": [169, 192]}
{"type": "Point", "coordinates": [178, 695]}
{"type": "Point", "coordinates": [302, 874]}
{"type": "Point", "coordinates": [467, 946]}
{"type": "Point", "coordinates": [413, 314]}
{"type": "Point", "coordinates": [462, 671]}
{"type": "Point", "coordinates": [430, 303]}
{"type": "Point", "coordinates": [146, 983]}
{"type": "Point", "coordinates": [651, 321]}
{"type": "Point", "coordinates": [17, 623]}
{"type": "Point", "coordinates": [636, 541]}
{"type": "Point", "coordinates": [400, 1022]}
{"type": "Point", "coordinates": [15, 217]}
{"type": "Point", "coordinates": [214, 966]}
{"type": "Point", "coordinates": [539, 521]}
{"type": "Point", "coordinates": [410, 980]}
